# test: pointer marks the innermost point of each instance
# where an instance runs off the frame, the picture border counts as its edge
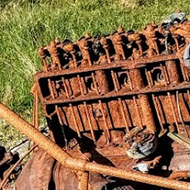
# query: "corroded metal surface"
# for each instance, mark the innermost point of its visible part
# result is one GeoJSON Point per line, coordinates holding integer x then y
{"type": "Point", "coordinates": [109, 102]}
{"type": "Point", "coordinates": [79, 164]}
{"type": "Point", "coordinates": [119, 81]}
{"type": "Point", "coordinates": [122, 91]}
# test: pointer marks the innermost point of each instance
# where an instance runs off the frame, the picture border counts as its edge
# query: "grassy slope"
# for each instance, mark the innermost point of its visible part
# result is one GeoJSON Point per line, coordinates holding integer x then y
{"type": "Point", "coordinates": [26, 25]}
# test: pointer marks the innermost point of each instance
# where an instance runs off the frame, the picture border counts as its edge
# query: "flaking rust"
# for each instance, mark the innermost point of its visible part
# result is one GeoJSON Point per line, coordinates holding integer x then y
{"type": "Point", "coordinates": [112, 100]}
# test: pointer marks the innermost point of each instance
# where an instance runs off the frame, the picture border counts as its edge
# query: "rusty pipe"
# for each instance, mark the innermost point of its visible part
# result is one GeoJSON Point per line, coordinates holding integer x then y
{"type": "Point", "coordinates": [83, 165]}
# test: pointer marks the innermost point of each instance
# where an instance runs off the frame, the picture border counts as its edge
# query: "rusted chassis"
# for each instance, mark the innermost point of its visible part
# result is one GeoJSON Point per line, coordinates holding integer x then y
{"type": "Point", "coordinates": [83, 165]}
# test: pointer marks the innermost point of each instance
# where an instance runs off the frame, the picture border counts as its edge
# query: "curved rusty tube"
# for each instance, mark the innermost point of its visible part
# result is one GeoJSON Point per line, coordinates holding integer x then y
{"type": "Point", "coordinates": [82, 165]}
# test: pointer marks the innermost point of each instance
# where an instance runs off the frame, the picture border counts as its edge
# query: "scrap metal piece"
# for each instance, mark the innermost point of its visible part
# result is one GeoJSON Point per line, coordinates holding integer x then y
{"type": "Point", "coordinates": [117, 87]}
{"type": "Point", "coordinates": [79, 164]}
{"type": "Point", "coordinates": [117, 95]}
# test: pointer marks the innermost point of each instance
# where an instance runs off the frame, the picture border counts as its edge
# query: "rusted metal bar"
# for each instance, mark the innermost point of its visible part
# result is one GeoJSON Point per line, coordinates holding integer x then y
{"type": "Point", "coordinates": [160, 108]}
{"type": "Point", "coordinates": [123, 114]}
{"type": "Point", "coordinates": [120, 93]}
{"type": "Point", "coordinates": [137, 111]}
{"type": "Point", "coordinates": [35, 115]}
{"type": "Point", "coordinates": [130, 81]}
{"type": "Point", "coordinates": [58, 114]}
{"type": "Point", "coordinates": [83, 85]}
{"type": "Point", "coordinates": [53, 97]}
{"type": "Point", "coordinates": [89, 122]}
{"type": "Point", "coordinates": [147, 113]}
{"type": "Point", "coordinates": [106, 129]}
{"type": "Point", "coordinates": [185, 77]}
{"type": "Point", "coordinates": [65, 86]}
{"type": "Point", "coordinates": [126, 109]}
{"type": "Point", "coordinates": [115, 81]}
{"type": "Point", "coordinates": [144, 102]}
{"type": "Point", "coordinates": [80, 85]}
{"type": "Point", "coordinates": [178, 108]}
{"type": "Point", "coordinates": [79, 164]}
{"type": "Point", "coordinates": [149, 78]}
{"type": "Point", "coordinates": [75, 121]}
{"type": "Point", "coordinates": [127, 64]}
{"type": "Point", "coordinates": [137, 79]}
{"type": "Point", "coordinates": [95, 83]}
{"type": "Point", "coordinates": [173, 111]}
{"type": "Point", "coordinates": [52, 90]}
{"type": "Point", "coordinates": [117, 87]}
{"type": "Point", "coordinates": [35, 106]}
{"type": "Point", "coordinates": [165, 73]}
{"type": "Point", "coordinates": [173, 71]}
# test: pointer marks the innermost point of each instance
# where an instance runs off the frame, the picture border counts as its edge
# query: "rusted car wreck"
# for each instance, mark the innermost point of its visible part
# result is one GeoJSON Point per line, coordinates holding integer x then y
{"type": "Point", "coordinates": [118, 112]}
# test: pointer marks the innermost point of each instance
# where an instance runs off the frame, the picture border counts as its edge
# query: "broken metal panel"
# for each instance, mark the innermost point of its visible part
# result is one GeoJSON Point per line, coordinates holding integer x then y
{"type": "Point", "coordinates": [76, 164]}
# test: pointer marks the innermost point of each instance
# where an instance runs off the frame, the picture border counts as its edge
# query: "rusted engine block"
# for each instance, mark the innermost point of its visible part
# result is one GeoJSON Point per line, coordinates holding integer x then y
{"type": "Point", "coordinates": [120, 81]}
{"type": "Point", "coordinates": [114, 98]}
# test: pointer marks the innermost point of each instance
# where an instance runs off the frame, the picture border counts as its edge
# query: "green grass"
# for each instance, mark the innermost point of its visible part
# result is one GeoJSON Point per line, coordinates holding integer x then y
{"type": "Point", "coordinates": [26, 25]}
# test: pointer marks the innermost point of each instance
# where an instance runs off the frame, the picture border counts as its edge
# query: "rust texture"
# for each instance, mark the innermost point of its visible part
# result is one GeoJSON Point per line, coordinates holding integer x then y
{"type": "Point", "coordinates": [109, 102]}
{"type": "Point", "coordinates": [84, 83]}
{"type": "Point", "coordinates": [121, 91]}
{"type": "Point", "coordinates": [81, 164]}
